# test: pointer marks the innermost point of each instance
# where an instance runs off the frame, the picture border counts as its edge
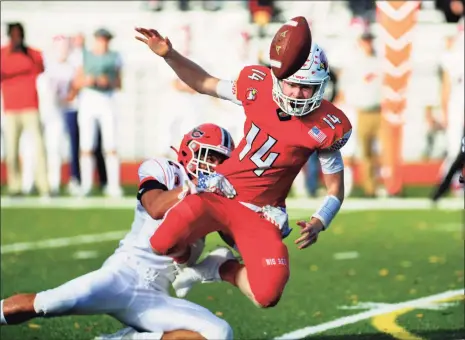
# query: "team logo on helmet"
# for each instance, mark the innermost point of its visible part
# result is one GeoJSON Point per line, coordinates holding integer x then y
{"type": "Point", "coordinates": [323, 64]}
{"type": "Point", "coordinates": [196, 133]}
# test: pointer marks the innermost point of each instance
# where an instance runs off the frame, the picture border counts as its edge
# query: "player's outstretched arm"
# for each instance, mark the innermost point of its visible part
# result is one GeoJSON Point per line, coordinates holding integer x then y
{"type": "Point", "coordinates": [188, 71]}
{"type": "Point", "coordinates": [333, 176]}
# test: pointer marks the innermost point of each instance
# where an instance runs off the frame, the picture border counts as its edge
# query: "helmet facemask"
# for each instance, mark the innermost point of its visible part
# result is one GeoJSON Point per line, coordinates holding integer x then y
{"type": "Point", "coordinates": [299, 107]}
{"type": "Point", "coordinates": [315, 72]}
{"type": "Point", "coordinates": [203, 156]}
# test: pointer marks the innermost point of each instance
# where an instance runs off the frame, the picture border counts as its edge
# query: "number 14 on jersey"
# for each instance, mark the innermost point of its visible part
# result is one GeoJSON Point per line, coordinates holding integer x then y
{"type": "Point", "coordinates": [256, 157]}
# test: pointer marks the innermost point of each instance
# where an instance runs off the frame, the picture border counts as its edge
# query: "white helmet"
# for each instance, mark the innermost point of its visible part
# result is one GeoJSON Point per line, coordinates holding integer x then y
{"type": "Point", "coordinates": [315, 72]}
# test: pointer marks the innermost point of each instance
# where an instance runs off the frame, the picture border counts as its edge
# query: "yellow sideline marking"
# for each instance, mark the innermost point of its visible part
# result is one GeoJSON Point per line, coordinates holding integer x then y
{"type": "Point", "coordinates": [386, 323]}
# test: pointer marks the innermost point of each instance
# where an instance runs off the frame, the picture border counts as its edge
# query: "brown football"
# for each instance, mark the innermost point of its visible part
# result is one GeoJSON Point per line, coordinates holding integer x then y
{"type": "Point", "coordinates": [290, 47]}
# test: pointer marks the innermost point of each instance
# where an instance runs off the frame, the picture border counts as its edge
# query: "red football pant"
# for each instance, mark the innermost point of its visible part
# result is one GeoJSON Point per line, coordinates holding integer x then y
{"type": "Point", "coordinates": [259, 242]}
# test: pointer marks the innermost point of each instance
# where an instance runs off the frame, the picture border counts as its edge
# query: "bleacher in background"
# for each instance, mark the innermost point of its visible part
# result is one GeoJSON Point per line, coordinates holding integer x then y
{"type": "Point", "coordinates": [147, 98]}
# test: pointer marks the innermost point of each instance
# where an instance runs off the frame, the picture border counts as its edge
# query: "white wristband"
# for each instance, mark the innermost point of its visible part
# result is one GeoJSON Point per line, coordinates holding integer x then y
{"type": "Point", "coordinates": [328, 210]}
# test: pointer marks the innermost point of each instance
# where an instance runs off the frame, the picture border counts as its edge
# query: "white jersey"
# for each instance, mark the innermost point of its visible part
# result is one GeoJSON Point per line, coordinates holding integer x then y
{"type": "Point", "coordinates": [169, 174]}
{"type": "Point", "coordinates": [61, 75]}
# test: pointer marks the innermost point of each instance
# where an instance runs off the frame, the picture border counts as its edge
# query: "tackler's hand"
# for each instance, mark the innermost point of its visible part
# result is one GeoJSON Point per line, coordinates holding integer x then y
{"type": "Point", "coordinates": [217, 184]}
{"type": "Point", "coordinates": [278, 217]}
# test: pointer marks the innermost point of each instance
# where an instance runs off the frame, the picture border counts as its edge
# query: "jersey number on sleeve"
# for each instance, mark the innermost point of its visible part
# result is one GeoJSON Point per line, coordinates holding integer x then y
{"type": "Point", "coordinates": [331, 120]}
{"type": "Point", "coordinates": [257, 75]}
{"type": "Point", "coordinates": [257, 156]}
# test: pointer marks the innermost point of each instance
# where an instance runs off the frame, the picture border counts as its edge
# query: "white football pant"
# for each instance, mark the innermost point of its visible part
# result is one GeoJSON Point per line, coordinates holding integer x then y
{"type": "Point", "coordinates": [97, 109]}
{"type": "Point", "coordinates": [125, 289]}
{"type": "Point", "coordinates": [53, 138]}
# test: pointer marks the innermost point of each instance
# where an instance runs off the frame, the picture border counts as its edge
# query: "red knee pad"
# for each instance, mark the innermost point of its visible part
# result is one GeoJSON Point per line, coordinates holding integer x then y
{"type": "Point", "coordinates": [269, 292]}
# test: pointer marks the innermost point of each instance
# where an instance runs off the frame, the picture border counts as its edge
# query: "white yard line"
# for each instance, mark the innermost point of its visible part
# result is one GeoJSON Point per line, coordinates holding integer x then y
{"type": "Point", "coordinates": [347, 320]}
{"type": "Point", "coordinates": [348, 255]}
{"type": "Point", "coordinates": [350, 204]}
{"type": "Point", "coordinates": [63, 242]}
{"type": "Point", "coordinates": [85, 254]}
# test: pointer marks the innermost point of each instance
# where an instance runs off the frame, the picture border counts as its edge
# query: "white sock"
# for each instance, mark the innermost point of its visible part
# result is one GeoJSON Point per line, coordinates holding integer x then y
{"type": "Point", "coordinates": [113, 170]}
{"type": "Point", "coordinates": [2, 317]}
{"type": "Point", "coordinates": [87, 172]}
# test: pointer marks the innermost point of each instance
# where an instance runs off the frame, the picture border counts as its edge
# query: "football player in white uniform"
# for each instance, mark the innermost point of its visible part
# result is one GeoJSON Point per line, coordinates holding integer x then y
{"type": "Point", "coordinates": [132, 285]}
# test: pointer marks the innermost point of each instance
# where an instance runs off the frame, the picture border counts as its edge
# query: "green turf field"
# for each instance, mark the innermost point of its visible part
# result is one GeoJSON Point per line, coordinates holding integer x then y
{"type": "Point", "coordinates": [388, 257]}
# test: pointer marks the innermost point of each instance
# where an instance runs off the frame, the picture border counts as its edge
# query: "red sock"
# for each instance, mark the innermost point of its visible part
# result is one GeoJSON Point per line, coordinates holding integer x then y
{"type": "Point", "coordinates": [228, 271]}
{"type": "Point", "coordinates": [184, 257]}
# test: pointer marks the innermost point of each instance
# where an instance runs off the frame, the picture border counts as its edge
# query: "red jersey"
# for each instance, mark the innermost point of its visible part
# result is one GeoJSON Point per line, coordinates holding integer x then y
{"type": "Point", "coordinates": [276, 146]}
{"type": "Point", "coordinates": [18, 78]}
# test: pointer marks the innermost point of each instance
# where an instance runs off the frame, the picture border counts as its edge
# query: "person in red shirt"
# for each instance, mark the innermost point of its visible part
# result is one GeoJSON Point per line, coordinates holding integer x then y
{"type": "Point", "coordinates": [20, 66]}
{"type": "Point", "coordinates": [286, 121]}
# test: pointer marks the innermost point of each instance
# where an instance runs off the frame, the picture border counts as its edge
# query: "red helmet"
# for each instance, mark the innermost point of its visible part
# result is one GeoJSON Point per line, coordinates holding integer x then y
{"type": "Point", "coordinates": [198, 145]}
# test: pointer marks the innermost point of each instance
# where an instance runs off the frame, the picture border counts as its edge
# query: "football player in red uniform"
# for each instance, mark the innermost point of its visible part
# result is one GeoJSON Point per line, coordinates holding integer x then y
{"type": "Point", "coordinates": [286, 121]}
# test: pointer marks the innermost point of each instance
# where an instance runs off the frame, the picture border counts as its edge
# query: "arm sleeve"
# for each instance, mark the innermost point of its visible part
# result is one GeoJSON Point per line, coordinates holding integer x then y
{"type": "Point", "coordinates": [331, 162]}
{"type": "Point", "coordinates": [226, 89]}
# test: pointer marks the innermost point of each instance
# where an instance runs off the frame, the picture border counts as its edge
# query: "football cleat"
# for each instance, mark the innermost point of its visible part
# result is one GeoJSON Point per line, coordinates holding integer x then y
{"type": "Point", "coordinates": [206, 271]}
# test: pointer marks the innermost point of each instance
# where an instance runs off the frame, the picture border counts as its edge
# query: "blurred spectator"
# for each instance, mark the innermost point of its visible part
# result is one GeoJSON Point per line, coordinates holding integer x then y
{"type": "Point", "coordinates": [153, 5]}
{"type": "Point", "coordinates": [453, 110]}
{"type": "Point", "coordinates": [20, 66]}
{"type": "Point", "coordinates": [433, 128]}
{"type": "Point", "coordinates": [76, 59]}
{"type": "Point", "coordinates": [360, 89]}
{"type": "Point", "coordinates": [453, 9]}
{"type": "Point", "coordinates": [183, 5]}
{"type": "Point", "coordinates": [362, 10]}
{"type": "Point", "coordinates": [261, 11]}
{"type": "Point", "coordinates": [98, 80]}
{"type": "Point", "coordinates": [54, 88]}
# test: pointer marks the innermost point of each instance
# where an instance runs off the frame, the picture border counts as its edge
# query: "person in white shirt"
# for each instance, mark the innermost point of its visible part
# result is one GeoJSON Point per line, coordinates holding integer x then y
{"type": "Point", "coordinates": [133, 283]}
{"type": "Point", "coordinates": [360, 91]}
{"type": "Point", "coordinates": [54, 87]}
{"type": "Point", "coordinates": [453, 112]}
{"type": "Point", "coordinates": [98, 81]}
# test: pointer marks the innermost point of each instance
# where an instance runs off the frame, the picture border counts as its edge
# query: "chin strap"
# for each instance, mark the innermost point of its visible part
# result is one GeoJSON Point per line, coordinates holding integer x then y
{"type": "Point", "coordinates": [174, 149]}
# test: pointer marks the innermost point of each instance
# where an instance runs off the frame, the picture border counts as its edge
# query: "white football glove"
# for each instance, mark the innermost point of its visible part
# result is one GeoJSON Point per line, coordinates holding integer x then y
{"type": "Point", "coordinates": [278, 217]}
{"type": "Point", "coordinates": [188, 188]}
{"type": "Point", "coordinates": [215, 183]}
